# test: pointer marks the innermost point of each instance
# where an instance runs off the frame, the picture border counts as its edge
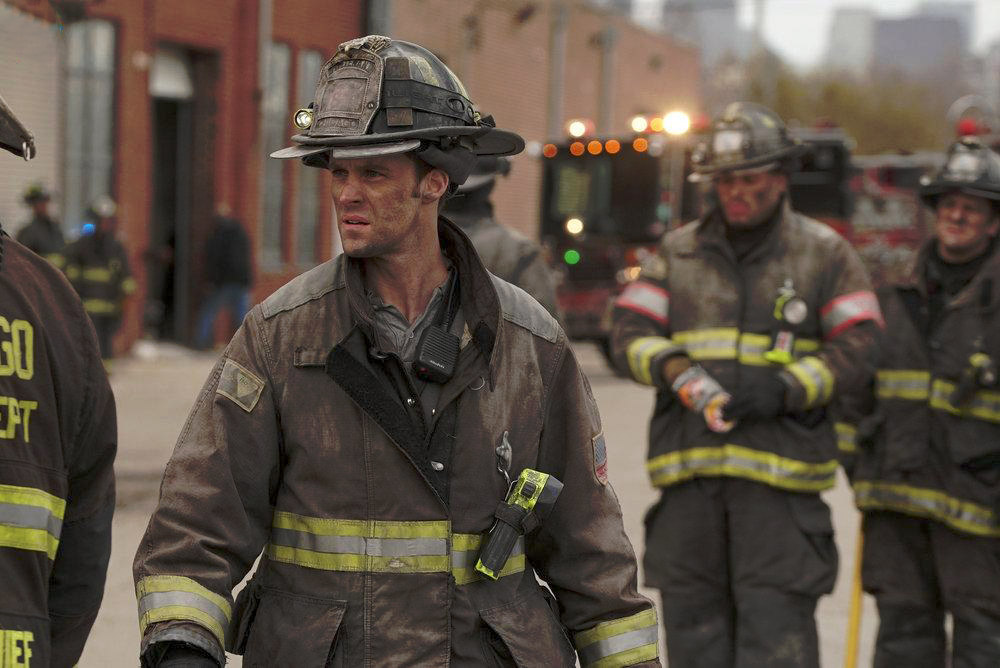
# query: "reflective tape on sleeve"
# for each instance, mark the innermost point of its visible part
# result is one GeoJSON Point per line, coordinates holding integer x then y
{"type": "Point", "coordinates": [465, 552]}
{"type": "Point", "coordinates": [99, 306]}
{"type": "Point", "coordinates": [847, 437]}
{"type": "Point", "coordinates": [643, 351]}
{"type": "Point", "coordinates": [97, 274]}
{"type": "Point", "coordinates": [753, 346]}
{"type": "Point", "coordinates": [931, 504]}
{"type": "Point", "coordinates": [815, 377]}
{"type": "Point", "coordinates": [30, 519]}
{"type": "Point", "coordinates": [984, 404]}
{"type": "Point", "coordinates": [741, 462]}
{"type": "Point", "coordinates": [646, 299]}
{"type": "Point", "coordinates": [847, 310]}
{"type": "Point", "coordinates": [173, 597]}
{"type": "Point", "coordinates": [619, 642]}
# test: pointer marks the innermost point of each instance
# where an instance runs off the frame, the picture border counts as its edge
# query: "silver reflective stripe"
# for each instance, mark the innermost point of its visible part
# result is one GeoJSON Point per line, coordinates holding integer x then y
{"type": "Point", "coordinates": [467, 558]}
{"type": "Point", "coordinates": [376, 547]}
{"type": "Point", "coordinates": [164, 599]}
{"type": "Point", "coordinates": [933, 504]}
{"type": "Point", "coordinates": [30, 517]}
{"type": "Point", "coordinates": [903, 384]}
{"type": "Point", "coordinates": [620, 643]}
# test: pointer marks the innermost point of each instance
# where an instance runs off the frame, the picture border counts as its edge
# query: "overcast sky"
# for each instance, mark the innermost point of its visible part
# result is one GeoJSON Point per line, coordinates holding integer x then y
{"type": "Point", "coordinates": [799, 29]}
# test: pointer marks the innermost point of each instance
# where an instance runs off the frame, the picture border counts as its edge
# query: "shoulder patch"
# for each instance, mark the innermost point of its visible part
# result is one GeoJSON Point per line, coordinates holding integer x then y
{"type": "Point", "coordinates": [600, 458]}
{"type": "Point", "coordinates": [240, 385]}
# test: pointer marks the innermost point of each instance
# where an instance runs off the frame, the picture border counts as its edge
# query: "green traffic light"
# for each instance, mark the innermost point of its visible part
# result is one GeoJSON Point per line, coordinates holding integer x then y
{"type": "Point", "coordinates": [571, 256]}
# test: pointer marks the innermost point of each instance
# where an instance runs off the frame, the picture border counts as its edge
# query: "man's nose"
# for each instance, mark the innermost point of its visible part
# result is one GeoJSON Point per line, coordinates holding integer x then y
{"type": "Point", "coordinates": [349, 191]}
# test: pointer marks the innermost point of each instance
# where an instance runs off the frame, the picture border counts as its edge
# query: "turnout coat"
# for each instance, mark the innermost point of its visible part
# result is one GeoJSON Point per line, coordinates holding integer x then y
{"type": "Point", "coordinates": [369, 520]}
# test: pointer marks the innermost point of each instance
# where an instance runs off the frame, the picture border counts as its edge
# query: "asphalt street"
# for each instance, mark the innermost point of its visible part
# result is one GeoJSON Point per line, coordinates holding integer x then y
{"type": "Point", "coordinates": [156, 386]}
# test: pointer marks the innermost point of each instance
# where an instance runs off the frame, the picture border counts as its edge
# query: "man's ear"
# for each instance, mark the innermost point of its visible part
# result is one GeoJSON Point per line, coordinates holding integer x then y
{"type": "Point", "coordinates": [433, 186]}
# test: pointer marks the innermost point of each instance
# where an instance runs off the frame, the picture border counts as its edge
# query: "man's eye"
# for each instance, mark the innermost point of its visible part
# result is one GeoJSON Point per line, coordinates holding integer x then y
{"type": "Point", "coordinates": [371, 173]}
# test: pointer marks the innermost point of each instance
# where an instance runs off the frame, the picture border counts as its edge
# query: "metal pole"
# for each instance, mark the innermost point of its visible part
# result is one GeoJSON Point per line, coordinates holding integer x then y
{"type": "Point", "coordinates": [854, 618]}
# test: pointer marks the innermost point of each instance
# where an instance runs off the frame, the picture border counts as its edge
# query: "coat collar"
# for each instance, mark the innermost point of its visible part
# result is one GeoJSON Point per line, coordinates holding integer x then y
{"type": "Point", "coordinates": [479, 300]}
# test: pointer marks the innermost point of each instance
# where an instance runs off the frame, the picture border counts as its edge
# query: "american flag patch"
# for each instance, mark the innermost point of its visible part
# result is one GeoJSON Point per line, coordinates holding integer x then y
{"type": "Point", "coordinates": [600, 458]}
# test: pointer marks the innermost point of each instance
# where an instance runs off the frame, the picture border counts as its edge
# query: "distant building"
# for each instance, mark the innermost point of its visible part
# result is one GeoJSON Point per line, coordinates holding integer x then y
{"type": "Point", "coordinates": [963, 12]}
{"type": "Point", "coordinates": [711, 25]}
{"type": "Point", "coordinates": [923, 48]}
{"type": "Point", "coordinates": [851, 38]}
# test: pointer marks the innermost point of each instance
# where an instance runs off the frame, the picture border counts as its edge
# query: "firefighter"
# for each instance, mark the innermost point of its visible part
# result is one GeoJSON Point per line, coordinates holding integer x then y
{"type": "Point", "coordinates": [747, 322]}
{"type": "Point", "coordinates": [58, 434]}
{"type": "Point", "coordinates": [42, 233]}
{"type": "Point", "coordinates": [507, 254]}
{"type": "Point", "coordinates": [97, 266]}
{"type": "Point", "coordinates": [365, 423]}
{"type": "Point", "coordinates": [927, 475]}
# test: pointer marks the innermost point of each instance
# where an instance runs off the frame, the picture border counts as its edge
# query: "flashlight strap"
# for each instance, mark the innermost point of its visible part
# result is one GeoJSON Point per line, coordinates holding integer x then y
{"type": "Point", "coordinates": [521, 520]}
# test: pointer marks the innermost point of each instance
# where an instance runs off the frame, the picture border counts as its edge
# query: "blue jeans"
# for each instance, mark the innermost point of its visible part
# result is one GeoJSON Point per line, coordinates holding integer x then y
{"type": "Point", "coordinates": [235, 297]}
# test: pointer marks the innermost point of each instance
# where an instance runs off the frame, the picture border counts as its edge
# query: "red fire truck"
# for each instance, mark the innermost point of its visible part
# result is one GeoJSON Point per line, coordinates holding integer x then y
{"type": "Point", "coordinates": [606, 202]}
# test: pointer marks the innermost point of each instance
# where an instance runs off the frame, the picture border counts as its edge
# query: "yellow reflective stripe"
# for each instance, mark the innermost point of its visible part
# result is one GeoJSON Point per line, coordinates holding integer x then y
{"type": "Point", "coordinates": [928, 503]}
{"type": "Point", "coordinates": [465, 551]}
{"type": "Point", "coordinates": [847, 437]}
{"type": "Point", "coordinates": [619, 642]}
{"type": "Point", "coordinates": [97, 274]}
{"type": "Point", "coordinates": [30, 519]}
{"type": "Point", "coordinates": [728, 343]}
{"type": "Point", "coordinates": [716, 343]}
{"type": "Point", "coordinates": [55, 259]}
{"type": "Point", "coordinates": [30, 496]}
{"type": "Point", "coordinates": [741, 462]}
{"type": "Point", "coordinates": [72, 272]}
{"type": "Point", "coordinates": [358, 562]}
{"type": "Point", "coordinates": [815, 377]}
{"type": "Point", "coordinates": [99, 306]}
{"type": "Point", "coordinates": [985, 404]}
{"type": "Point", "coordinates": [640, 354]}
{"type": "Point", "coordinates": [364, 528]}
{"type": "Point", "coordinates": [23, 538]}
{"type": "Point", "coordinates": [902, 384]}
{"type": "Point", "coordinates": [172, 597]}
{"type": "Point", "coordinates": [129, 285]}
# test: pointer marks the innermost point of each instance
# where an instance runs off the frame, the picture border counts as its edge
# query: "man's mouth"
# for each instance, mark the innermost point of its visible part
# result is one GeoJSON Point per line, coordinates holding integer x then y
{"type": "Point", "coordinates": [354, 220]}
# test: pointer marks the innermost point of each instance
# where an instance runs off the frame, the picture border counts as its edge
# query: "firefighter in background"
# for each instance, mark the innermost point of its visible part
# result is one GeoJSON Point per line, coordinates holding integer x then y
{"type": "Point", "coordinates": [59, 435]}
{"type": "Point", "coordinates": [927, 475]}
{"type": "Point", "coordinates": [364, 424]}
{"type": "Point", "coordinates": [747, 322]}
{"type": "Point", "coordinates": [42, 233]}
{"type": "Point", "coordinates": [97, 266]}
{"type": "Point", "coordinates": [506, 253]}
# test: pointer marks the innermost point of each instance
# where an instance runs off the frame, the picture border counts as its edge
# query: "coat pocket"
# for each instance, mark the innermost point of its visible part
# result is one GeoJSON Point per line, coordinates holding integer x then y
{"type": "Point", "coordinates": [530, 632]}
{"type": "Point", "coordinates": [277, 628]}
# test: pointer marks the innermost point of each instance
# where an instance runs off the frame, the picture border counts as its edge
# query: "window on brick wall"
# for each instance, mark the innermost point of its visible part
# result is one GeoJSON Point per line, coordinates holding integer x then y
{"type": "Point", "coordinates": [89, 119]}
{"type": "Point", "coordinates": [275, 128]}
{"type": "Point", "coordinates": [307, 206]}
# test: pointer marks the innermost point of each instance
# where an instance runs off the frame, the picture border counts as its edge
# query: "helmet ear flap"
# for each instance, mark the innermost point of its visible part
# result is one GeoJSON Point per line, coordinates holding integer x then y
{"type": "Point", "coordinates": [456, 161]}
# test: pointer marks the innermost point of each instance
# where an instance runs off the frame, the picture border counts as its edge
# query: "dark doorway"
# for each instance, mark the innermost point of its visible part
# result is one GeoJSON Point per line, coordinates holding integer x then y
{"type": "Point", "coordinates": [183, 168]}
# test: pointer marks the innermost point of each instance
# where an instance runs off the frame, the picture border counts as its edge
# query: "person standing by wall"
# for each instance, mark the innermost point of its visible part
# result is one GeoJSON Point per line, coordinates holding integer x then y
{"type": "Point", "coordinates": [42, 233]}
{"type": "Point", "coordinates": [229, 274]}
{"type": "Point", "coordinates": [97, 266]}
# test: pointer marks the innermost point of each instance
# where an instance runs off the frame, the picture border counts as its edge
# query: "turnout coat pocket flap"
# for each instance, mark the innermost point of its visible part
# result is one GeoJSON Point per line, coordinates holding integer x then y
{"type": "Point", "coordinates": [282, 629]}
{"type": "Point", "coordinates": [531, 632]}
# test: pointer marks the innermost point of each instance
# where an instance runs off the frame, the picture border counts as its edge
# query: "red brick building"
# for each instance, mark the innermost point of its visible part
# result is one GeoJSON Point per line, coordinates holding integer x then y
{"type": "Point", "coordinates": [171, 106]}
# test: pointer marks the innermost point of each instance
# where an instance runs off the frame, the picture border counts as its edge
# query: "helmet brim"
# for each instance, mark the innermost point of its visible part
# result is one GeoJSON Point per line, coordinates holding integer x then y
{"type": "Point", "coordinates": [347, 152]}
{"type": "Point", "coordinates": [933, 191]}
{"type": "Point", "coordinates": [762, 161]}
{"type": "Point", "coordinates": [484, 141]}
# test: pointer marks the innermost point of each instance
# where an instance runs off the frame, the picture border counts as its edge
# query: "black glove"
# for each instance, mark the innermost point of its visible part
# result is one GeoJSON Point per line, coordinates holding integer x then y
{"type": "Point", "coordinates": [760, 399]}
{"type": "Point", "coordinates": [177, 654]}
